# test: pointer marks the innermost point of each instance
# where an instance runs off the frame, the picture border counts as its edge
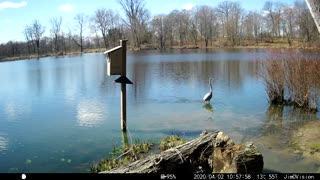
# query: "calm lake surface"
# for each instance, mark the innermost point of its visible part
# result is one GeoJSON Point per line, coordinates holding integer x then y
{"type": "Point", "coordinates": [63, 114]}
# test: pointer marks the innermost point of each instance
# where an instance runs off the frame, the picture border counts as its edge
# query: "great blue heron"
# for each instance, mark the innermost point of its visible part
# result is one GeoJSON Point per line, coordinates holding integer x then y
{"type": "Point", "coordinates": [208, 96]}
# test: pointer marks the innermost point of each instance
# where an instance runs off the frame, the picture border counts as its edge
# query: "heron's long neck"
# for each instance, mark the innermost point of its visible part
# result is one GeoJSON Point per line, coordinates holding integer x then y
{"type": "Point", "coordinates": [210, 85]}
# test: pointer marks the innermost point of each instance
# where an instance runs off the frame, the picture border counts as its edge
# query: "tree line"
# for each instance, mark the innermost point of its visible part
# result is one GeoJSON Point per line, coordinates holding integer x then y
{"type": "Point", "coordinates": [227, 24]}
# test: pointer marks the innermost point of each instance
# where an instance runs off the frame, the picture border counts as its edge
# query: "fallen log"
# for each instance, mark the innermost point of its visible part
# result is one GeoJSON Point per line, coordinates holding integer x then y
{"type": "Point", "coordinates": [210, 153]}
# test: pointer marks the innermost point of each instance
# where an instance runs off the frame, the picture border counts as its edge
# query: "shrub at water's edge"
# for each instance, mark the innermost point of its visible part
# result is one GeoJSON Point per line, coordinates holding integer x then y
{"type": "Point", "coordinates": [292, 78]}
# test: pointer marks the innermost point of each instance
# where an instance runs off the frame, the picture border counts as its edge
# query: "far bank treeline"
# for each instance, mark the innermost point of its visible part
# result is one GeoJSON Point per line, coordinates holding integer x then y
{"type": "Point", "coordinates": [227, 24]}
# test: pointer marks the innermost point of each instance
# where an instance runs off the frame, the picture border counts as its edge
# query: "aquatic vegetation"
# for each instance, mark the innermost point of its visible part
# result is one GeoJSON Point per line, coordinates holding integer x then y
{"type": "Point", "coordinates": [66, 160]}
{"type": "Point", "coordinates": [122, 156]}
{"type": "Point", "coordinates": [314, 148]}
{"type": "Point", "coordinates": [170, 142]}
{"type": "Point", "coordinates": [130, 153]}
{"type": "Point", "coordinates": [14, 169]}
{"type": "Point", "coordinates": [208, 107]}
{"type": "Point", "coordinates": [292, 78]}
{"type": "Point", "coordinates": [28, 161]}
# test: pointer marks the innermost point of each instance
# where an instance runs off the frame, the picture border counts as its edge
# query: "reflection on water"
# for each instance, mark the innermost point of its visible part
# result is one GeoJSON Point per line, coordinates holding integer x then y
{"type": "Point", "coordinates": [72, 103]}
{"type": "Point", "coordinates": [208, 107]}
{"type": "Point", "coordinates": [3, 143]}
{"type": "Point", "coordinates": [90, 113]}
{"type": "Point", "coordinates": [230, 73]}
{"type": "Point", "coordinates": [15, 110]}
{"type": "Point", "coordinates": [283, 120]}
{"type": "Point", "coordinates": [11, 111]}
{"type": "Point", "coordinates": [274, 138]}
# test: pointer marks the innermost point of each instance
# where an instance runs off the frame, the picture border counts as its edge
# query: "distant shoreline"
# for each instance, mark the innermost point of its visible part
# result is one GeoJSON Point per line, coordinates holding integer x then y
{"type": "Point", "coordinates": [259, 46]}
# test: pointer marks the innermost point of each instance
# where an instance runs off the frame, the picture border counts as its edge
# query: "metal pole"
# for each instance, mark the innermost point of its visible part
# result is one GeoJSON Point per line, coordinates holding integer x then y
{"type": "Point", "coordinates": [123, 43]}
{"type": "Point", "coordinates": [125, 141]}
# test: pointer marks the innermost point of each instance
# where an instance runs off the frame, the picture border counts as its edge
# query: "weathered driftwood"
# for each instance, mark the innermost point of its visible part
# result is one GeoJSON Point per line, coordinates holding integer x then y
{"type": "Point", "coordinates": [243, 158]}
{"type": "Point", "coordinates": [211, 152]}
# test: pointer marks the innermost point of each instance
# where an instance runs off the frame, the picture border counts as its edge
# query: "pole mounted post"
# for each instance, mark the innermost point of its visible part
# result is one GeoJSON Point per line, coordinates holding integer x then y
{"type": "Point", "coordinates": [117, 65]}
{"type": "Point", "coordinates": [123, 44]}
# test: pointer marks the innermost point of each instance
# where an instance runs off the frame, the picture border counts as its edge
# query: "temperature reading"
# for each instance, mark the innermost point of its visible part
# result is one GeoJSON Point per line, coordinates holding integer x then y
{"type": "Point", "coordinates": [261, 176]}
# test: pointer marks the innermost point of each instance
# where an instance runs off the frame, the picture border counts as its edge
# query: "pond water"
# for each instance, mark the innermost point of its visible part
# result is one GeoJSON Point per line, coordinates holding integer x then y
{"type": "Point", "coordinates": [63, 114]}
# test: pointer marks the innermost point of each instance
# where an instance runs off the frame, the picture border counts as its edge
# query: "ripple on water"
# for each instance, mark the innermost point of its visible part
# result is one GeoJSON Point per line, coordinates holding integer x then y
{"type": "Point", "coordinates": [3, 143]}
{"type": "Point", "coordinates": [90, 113]}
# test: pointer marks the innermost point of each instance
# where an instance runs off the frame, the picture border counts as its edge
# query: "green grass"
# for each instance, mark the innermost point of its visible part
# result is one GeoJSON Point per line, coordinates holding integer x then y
{"type": "Point", "coordinates": [170, 142]}
{"type": "Point", "coordinates": [314, 148]}
{"type": "Point", "coordinates": [280, 40]}
{"type": "Point", "coordinates": [124, 155]}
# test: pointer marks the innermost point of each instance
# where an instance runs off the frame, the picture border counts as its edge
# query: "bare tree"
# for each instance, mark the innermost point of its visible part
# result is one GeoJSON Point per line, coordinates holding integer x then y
{"type": "Point", "coordinates": [252, 25]}
{"type": "Point", "coordinates": [103, 19]}
{"type": "Point", "coordinates": [171, 28]}
{"type": "Point", "coordinates": [257, 25]}
{"type": "Point", "coordinates": [306, 26]}
{"type": "Point", "coordinates": [268, 6]}
{"type": "Point", "coordinates": [224, 10]}
{"type": "Point", "coordinates": [184, 26]}
{"type": "Point", "coordinates": [274, 14]}
{"type": "Point", "coordinates": [230, 16]}
{"type": "Point", "coordinates": [279, 8]}
{"type": "Point", "coordinates": [33, 34]}
{"type": "Point", "coordinates": [69, 41]}
{"type": "Point", "coordinates": [235, 26]}
{"type": "Point", "coordinates": [180, 20]}
{"type": "Point", "coordinates": [248, 26]}
{"type": "Point", "coordinates": [81, 20]}
{"type": "Point", "coordinates": [207, 22]}
{"type": "Point", "coordinates": [55, 31]}
{"type": "Point", "coordinates": [160, 29]}
{"type": "Point", "coordinates": [179, 27]}
{"type": "Point", "coordinates": [137, 17]}
{"type": "Point", "coordinates": [38, 31]}
{"type": "Point", "coordinates": [194, 26]}
{"type": "Point", "coordinates": [288, 24]}
{"type": "Point", "coordinates": [115, 31]}
{"type": "Point", "coordinates": [94, 30]}
{"type": "Point", "coordinates": [29, 39]}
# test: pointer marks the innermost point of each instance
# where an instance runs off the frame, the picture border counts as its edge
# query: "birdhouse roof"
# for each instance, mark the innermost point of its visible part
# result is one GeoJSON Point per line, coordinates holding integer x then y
{"type": "Point", "coordinates": [113, 49]}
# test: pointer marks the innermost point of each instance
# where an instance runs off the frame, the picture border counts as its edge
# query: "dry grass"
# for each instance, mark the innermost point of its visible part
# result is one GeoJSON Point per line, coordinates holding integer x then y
{"type": "Point", "coordinates": [122, 156]}
{"type": "Point", "coordinates": [35, 56]}
{"type": "Point", "coordinates": [292, 77]}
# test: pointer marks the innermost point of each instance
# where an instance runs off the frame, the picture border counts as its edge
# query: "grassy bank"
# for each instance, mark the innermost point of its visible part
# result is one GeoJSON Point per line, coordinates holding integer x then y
{"type": "Point", "coordinates": [35, 56]}
{"type": "Point", "coordinates": [129, 153]}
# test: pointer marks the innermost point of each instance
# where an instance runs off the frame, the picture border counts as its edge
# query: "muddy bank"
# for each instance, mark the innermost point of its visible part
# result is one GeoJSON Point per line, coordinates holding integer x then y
{"type": "Point", "coordinates": [306, 140]}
